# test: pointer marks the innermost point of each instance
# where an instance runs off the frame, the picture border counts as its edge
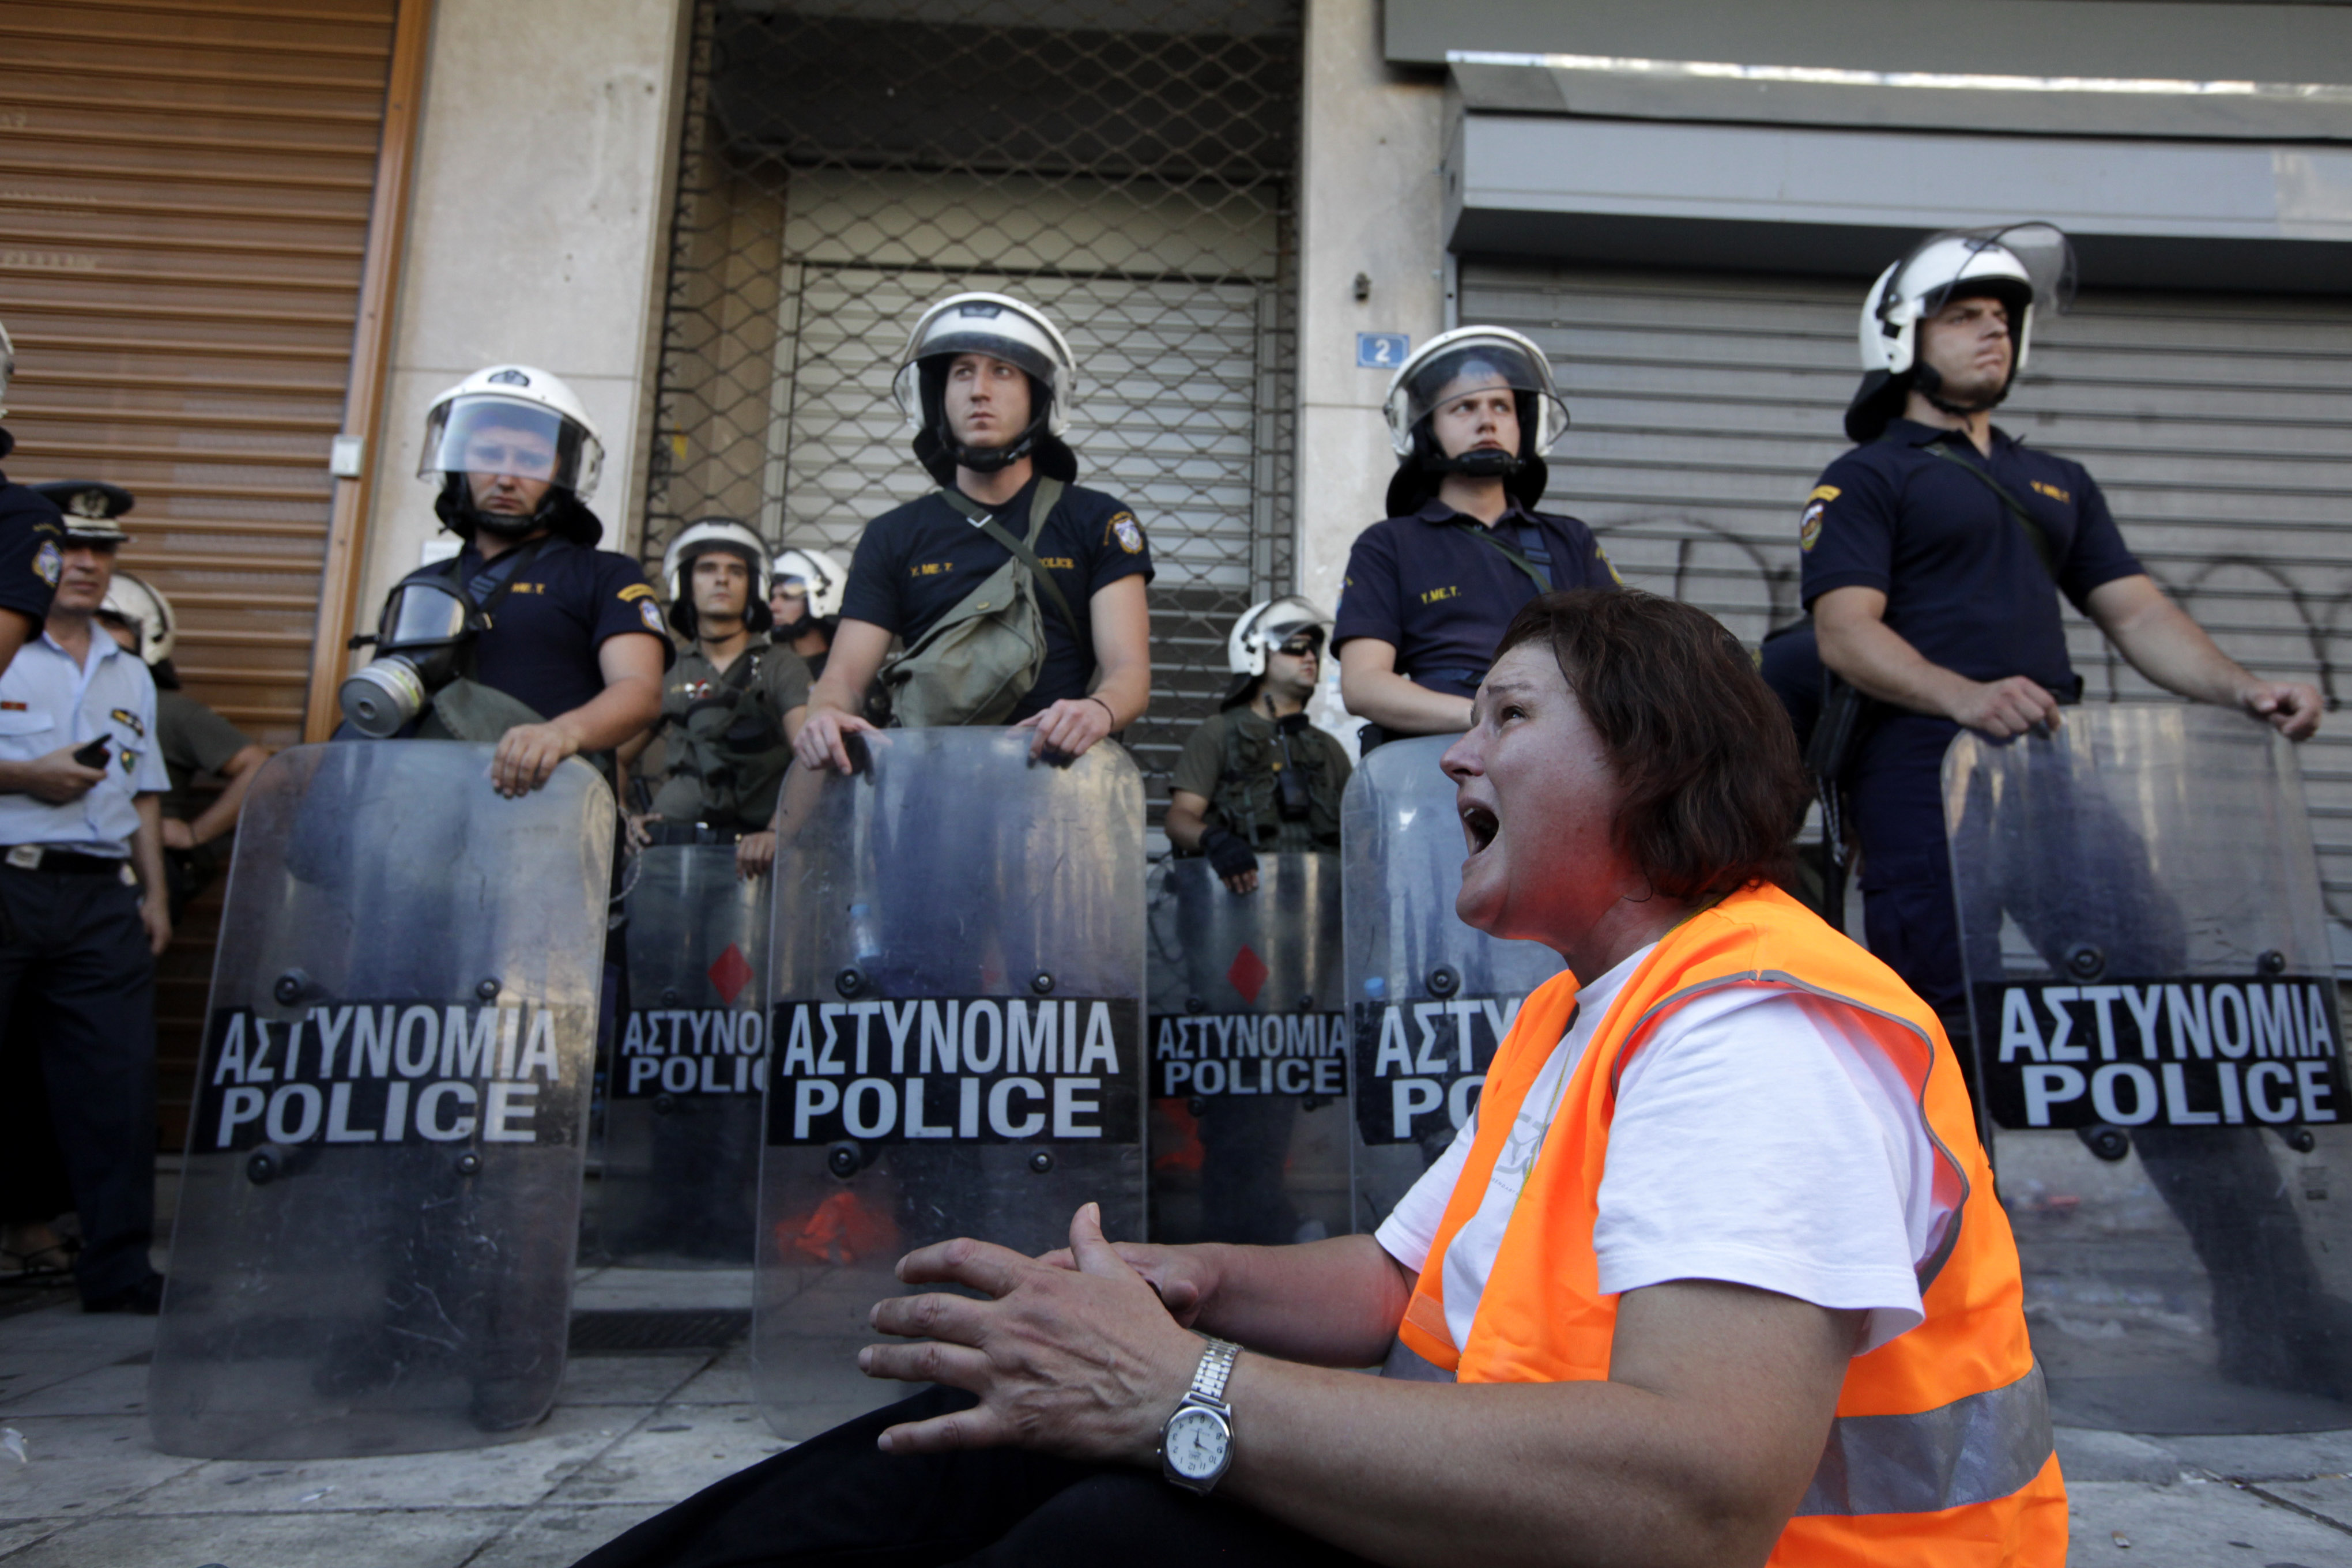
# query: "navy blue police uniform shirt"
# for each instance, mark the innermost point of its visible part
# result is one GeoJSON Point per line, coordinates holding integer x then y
{"type": "Point", "coordinates": [1443, 599]}
{"type": "Point", "coordinates": [541, 645]}
{"type": "Point", "coordinates": [32, 551]}
{"type": "Point", "coordinates": [916, 562]}
{"type": "Point", "coordinates": [1963, 584]}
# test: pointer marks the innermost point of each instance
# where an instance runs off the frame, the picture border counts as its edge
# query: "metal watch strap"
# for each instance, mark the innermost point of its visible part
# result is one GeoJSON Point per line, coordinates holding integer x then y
{"type": "Point", "coordinates": [1216, 1366]}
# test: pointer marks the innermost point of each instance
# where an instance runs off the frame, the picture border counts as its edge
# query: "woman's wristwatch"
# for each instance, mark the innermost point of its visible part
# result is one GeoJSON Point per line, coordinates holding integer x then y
{"type": "Point", "coordinates": [1196, 1444]}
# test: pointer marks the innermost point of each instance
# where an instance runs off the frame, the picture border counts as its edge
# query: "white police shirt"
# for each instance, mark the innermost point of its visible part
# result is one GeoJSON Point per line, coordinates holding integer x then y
{"type": "Point", "coordinates": [48, 701]}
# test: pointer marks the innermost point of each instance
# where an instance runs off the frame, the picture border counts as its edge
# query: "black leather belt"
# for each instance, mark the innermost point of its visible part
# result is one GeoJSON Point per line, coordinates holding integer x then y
{"type": "Point", "coordinates": [62, 862]}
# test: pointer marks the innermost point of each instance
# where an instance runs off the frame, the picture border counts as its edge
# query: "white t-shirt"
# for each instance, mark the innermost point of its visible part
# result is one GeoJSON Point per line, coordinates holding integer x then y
{"type": "Point", "coordinates": [1760, 1138]}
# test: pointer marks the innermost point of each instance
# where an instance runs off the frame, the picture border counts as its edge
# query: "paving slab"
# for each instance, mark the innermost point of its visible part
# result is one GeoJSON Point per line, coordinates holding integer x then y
{"type": "Point", "coordinates": [40, 1349]}
{"type": "Point", "coordinates": [107, 1391]}
{"type": "Point", "coordinates": [82, 1464]}
{"type": "Point", "coordinates": [418, 1539]}
{"type": "Point", "coordinates": [508, 1475]}
{"type": "Point", "coordinates": [675, 1453]}
{"type": "Point", "coordinates": [724, 1382]}
{"type": "Point", "coordinates": [2330, 1497]}
{"type": "Point", "coordinates": [2087, 1454]}
{"type": "Point", "coordinates": [627, 1379]}
{"type": "Point", "coordinates": [558, 1537]}
{"type": "Point", "coordinates": [2194, 1523]}
{"type": "Point", "coordinates": [2267, 1458]}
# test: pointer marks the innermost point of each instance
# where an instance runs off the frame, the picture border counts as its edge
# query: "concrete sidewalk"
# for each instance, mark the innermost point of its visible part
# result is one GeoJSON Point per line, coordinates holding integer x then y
{"type": "Point", "coordinates": [634, 1432]}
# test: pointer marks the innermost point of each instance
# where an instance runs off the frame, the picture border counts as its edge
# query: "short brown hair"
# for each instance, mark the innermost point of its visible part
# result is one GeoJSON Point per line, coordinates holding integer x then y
{"type": "Point", "coordinates": [1713, 784]}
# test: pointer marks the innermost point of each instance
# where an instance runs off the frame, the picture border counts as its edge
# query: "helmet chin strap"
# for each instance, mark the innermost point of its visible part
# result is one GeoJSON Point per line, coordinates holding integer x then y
{"type": "Point", "coordinates": [1929, 384]}
{"type": "Point", "coordinates": [989, 459]}
{"type": "Point", "coordinates": [1483, 463]}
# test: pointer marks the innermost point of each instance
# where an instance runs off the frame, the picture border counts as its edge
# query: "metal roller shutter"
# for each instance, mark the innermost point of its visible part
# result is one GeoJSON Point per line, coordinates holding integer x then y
{"type": "Point", "coordinates": [185, 194]}
{"type": "Point", "coordinates": [2219, 426]}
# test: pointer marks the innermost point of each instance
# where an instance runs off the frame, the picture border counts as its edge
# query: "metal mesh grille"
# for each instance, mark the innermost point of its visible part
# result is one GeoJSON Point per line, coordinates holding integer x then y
{"type": "Point", "coordinates": [1130, 170]}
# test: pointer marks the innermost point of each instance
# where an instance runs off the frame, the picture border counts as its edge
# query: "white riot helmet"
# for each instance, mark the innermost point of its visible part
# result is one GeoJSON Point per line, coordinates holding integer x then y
{"type": "Point", "coordinates": [144, 609]}
{"type": "Point", "coordinates": [819, 572]}
{"type": "Point", "coordinates": [2026, 267]}
{"type": "Point", "coordinates": [1454, 365]}
{"type": "Point", "coordinates": [714, 534]}
{"type": "Point", "coordinates": [1262, 630]}
{"type": "Point", "coordinates": [511, 419]}
{"type": "Point", "coordinates": [1002, 327]}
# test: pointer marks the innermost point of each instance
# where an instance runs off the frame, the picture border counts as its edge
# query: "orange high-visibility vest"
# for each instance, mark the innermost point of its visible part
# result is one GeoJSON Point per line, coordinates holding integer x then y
{"type": "Point", "coordinates": [1940, 1453]}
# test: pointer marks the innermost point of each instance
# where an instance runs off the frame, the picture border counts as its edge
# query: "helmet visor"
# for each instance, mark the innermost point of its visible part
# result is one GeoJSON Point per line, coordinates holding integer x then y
{"type": "Point", "coordinates": [485, 434]}
{"type": "Point", "coordinates": [1473, 368]}
{"type": "Point", "coordinates": [1970, 262]}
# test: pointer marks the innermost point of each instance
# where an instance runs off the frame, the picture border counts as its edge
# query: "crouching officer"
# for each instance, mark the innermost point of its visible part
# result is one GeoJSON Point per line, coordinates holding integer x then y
{"type": "Point", "coordinates": [804, 598]}
{"type": "Point", "coordinates": [731, 704]}
{"type": "Point", "coordinates": [83, 911]}
{"type": "Point", "coordinates": [195, 741]}
{"type": "Point", "coordinates": [1430, 590]}
{"type": "Point", "coordinates": [1258, 775]}
{"type": "Point", "coordinates": [31, 538]}
{"type": "Point", "coordinates": [529, 635]}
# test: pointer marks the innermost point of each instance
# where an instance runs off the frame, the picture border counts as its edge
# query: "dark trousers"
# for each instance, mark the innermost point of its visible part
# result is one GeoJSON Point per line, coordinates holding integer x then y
{"type": "Point", "coordinates": [836, 1500]}
{"type": "Point", "coordinates": [1897, 796]}
{"type": "Point", "coordinates": [77, 943]}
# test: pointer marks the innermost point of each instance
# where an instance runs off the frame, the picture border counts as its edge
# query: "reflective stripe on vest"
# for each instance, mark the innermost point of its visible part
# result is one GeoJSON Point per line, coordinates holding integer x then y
{"type": "Point", "coordinates": [1977, 1449]}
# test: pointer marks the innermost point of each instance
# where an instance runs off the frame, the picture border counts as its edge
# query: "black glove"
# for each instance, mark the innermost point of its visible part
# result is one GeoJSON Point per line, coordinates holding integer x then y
{"type": "Point", "coordinates": [1228, 856]}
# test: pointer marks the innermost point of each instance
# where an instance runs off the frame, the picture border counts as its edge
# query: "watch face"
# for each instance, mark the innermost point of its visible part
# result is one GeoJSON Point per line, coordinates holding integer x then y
{"type": "Point", "coordinates": [1196, 1444]}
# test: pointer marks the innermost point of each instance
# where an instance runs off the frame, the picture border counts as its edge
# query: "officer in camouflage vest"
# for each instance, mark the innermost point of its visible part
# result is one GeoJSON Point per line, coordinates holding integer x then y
{"type": "Point", "coordinates": [1258, 776]}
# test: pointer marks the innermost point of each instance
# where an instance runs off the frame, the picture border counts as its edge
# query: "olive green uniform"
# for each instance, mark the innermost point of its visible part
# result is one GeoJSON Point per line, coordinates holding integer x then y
{"type": "Point", "coordinates": [724, 736]}
{"type": "Point", "coordinates": [1235, 760]}
{"type": "Point", "coordinates": [193, 740]}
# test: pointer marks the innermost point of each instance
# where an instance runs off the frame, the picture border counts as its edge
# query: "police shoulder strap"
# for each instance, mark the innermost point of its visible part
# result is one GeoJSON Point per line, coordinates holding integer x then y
{"type": "Point", "coordinates": [2033, 533]}
{"type": "Point", "coordinates": [523, 556]}
{"type": "Point", "coordinates": [1049, 496]}
{"type": "Point", "coordinates": [1535, 573]}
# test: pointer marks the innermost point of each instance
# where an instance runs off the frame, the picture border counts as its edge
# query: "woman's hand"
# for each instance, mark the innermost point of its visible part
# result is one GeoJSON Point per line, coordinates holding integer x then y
{"type": "Point", "coordinates": [1069, 727]}
{"type": "Point", "coordinates": [1185, 1277]}
{"type": "Point", "coordinates": [1082, 1362]}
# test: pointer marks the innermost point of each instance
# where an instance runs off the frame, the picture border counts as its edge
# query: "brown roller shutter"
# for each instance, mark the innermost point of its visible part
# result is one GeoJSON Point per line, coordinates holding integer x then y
{"type": "Point", "coordinates": [184, 199]}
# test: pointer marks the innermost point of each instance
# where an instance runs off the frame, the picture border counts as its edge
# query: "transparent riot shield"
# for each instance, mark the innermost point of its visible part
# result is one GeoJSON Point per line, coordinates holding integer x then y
{"type": "Point", "coordinates": [955, 1038]}
{"type": "Point", "coordinates": [2159, 1065]}
{"type": "Point", "coordinates": [1428, 998]}
{"type": "Point", "coordinates": [680, 1168]}
{"type": "Point", "coordinates": [377, 1217]}
{"type": "Point", "coordinates": [1248, 1035]}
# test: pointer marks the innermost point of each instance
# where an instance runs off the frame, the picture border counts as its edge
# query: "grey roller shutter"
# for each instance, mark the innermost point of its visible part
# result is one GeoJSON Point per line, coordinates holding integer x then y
{"type": "Point", "coordinates": [2220, 427]}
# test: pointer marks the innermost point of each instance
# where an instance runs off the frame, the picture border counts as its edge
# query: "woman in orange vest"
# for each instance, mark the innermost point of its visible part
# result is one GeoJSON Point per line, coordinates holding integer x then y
{"type": "Point", "coordinates": [1714, 1273]}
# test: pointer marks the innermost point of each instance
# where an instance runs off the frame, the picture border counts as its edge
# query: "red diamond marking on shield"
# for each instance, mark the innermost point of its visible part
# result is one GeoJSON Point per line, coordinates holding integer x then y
{"type": "Point", "coordinates": [1248, 974]}
{"type": "Point", "coordinates": [730, 973]}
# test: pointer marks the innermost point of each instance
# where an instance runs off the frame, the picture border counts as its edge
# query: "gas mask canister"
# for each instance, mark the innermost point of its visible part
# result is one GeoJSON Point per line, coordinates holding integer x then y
{"type": "Point", "coordinates": [419, 643]}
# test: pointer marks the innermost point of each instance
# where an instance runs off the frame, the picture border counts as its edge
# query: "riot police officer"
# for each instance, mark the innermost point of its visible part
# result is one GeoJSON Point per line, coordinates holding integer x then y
{"type": "Point", "coordinates": [194, 740]}
{"type": "Point", "coordinates": [1258, 775]}
{"type": "Point", "coordinates": [1064, 649]}
{"type": "Point", "coordinates": [31, 541]}
{"type": "Point", "coordinates": [804, 597]}
{"type": "Point", "coordinates": [731, 703]}
{"type": "Point", "coordinates": [1430, 590]}
{"type": "Point", "coordinates": [529, 635]}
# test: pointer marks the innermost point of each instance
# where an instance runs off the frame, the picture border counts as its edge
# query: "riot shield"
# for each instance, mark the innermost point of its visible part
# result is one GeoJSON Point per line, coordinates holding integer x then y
{"type": "Point", "coordinates": [1430, 998]}
{"type": "Point", "coordinates": [2160, 1065]}
{"type": "Point", "coordinates": [955, 1038]}
{"type": "Point", "coordinates": [377, 1216]}
{"type": "Point", "coordinates": [681, 1171]}
{"type": "Point", "coordinates": [1249, 1059]}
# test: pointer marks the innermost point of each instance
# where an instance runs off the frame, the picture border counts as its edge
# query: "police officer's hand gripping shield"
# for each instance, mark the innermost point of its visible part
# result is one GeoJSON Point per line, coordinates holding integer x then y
{"type": "Point", "coordinates": [956, 1033]}
{"type": "Point", "coordinates": [2160, 1065]}
{"type": "Point", "coordinates": [1428, 998]}
{"type": "Point", "coordinates": [378, 1215]}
